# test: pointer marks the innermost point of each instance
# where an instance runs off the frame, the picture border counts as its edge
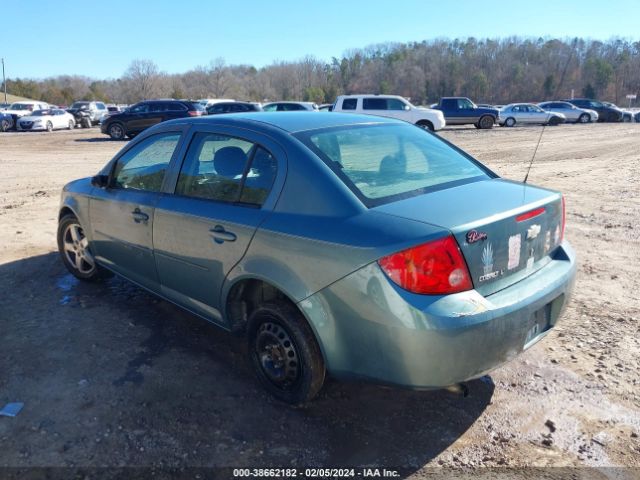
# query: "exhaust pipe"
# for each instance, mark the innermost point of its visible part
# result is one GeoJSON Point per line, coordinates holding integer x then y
{"type": "Point", "coordinates": [459, 389]}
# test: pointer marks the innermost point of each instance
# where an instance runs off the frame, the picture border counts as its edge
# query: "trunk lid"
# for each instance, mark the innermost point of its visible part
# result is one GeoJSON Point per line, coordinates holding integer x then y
{"type": "Point", "coordinates": [506, 230]}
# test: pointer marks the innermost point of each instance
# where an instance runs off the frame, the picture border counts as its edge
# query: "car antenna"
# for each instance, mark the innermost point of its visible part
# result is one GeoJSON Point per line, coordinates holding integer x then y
{"type": "Point", "coordinates": [534, 154]}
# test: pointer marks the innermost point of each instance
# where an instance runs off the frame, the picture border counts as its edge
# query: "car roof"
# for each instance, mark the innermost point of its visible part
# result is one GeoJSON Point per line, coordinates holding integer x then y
{"type": "Point", "coordinates": [292, 122]}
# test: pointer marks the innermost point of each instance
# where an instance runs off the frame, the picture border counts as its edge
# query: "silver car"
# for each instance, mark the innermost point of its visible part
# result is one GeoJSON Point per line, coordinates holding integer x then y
{"type": "Point", "coordinates": [571, 112]}
{"type": "Point", "coordinates": [528, 113]}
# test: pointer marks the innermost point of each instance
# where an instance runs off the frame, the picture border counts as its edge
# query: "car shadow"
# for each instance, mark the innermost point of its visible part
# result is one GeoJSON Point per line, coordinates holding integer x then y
{"type": "Point", "coordinates": [108, 362]}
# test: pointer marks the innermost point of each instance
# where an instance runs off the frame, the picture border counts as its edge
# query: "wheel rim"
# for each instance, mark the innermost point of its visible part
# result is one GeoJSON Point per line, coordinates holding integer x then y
{"type": "Point", "coordinates": [510, 122]}
{"type": "Point", "coordinates": [49, 126]}
{"type": "Point", "coordinates": [70, 125]}
{"type": "Point", "coordinates": [584, 119]}
{"type": "Point", "coordinates": [116, 131]}
{"type": "Point", "coordinates": [277, 355]}
{"type": "Point", "coordinates": [76, 249]}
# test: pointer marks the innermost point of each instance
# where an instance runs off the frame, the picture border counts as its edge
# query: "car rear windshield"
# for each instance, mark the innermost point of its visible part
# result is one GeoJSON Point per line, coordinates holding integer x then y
{"type": "Point", "coordinates": [383, 163]}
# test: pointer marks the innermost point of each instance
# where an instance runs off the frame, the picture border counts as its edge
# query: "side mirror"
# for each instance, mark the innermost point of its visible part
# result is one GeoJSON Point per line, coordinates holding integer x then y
{"type": "Point", "coordinates": [100, 181]}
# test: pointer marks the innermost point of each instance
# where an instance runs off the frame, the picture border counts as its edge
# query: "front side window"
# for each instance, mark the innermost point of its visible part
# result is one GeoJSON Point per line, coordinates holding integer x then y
{"type": "Point", "coordinates": [140, 108]}
{"type": "Point", "coordinates": [380, 163]}
{"type": "Point", "coordinates": [374, 103]}
{"type": "Point", "coordinates": [349, 103]}
{"type": "Point", "coordinates": [464, 104]}
{"type": "Point", "coordinates": [395, 104]}
{"type": "Point", "coordinates": [270, 108]}
{"type": "Point", "coordinates": [226, 169]}
{"type": "Point", "coordinates": [143, 167]}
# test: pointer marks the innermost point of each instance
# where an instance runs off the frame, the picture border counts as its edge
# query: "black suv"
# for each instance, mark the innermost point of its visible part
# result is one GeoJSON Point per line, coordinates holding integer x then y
{"type": "Point", "coordinates": [146, 114]}
{"type": "Point", "coordinates": [605, 113]}
{"type": "Point", "coordinates": [233, 107]}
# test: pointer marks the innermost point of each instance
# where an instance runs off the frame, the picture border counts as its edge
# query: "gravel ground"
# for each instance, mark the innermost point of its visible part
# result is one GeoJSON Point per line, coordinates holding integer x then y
{"type": "Point", "coordinates": [111, 376]}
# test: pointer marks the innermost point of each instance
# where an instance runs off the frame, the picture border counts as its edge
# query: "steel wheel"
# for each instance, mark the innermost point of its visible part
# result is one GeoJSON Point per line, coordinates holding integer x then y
{"type": "Point", "coordinates": [584, 118]}
{"type": "Point", "coordinates": [76, 249]}
{"type": "Point", "coordinates": [279, 359]}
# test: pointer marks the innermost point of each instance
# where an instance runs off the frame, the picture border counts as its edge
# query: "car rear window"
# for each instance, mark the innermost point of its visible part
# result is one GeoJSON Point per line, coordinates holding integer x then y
{"type": "Point", "coordinates": [383, 163]}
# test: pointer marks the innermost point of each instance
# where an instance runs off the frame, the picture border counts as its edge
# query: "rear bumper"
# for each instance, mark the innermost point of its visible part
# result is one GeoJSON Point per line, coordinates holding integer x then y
{"type": "Point", "coordinates": [369, 328]}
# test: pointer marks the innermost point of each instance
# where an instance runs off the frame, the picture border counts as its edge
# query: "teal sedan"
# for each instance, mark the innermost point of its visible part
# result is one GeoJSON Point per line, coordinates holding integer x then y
{"type": "Point", "coordinates": [343, 245]}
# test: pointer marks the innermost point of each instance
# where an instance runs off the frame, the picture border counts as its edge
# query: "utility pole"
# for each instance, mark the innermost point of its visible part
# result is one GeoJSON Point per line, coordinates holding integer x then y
{"type": "Point", "coordinates": [4, 82]}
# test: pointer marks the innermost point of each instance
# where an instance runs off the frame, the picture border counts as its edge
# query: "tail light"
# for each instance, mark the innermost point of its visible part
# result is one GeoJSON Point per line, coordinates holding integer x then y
{"type": "Point", "coordinates": [564, 218]}
{"type": "Point", "coordinates": [194, 113]}
{"type": "Point", "coordinates": [434, 268]}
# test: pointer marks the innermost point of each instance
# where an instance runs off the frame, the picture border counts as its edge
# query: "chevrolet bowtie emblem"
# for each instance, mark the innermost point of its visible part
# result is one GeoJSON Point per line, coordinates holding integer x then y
{"type": "Point", "coordinates": [533, 231]}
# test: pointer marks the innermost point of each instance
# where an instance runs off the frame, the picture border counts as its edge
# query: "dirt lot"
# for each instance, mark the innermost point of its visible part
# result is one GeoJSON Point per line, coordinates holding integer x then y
{"type": "Point", "coordinates": [111, 376]}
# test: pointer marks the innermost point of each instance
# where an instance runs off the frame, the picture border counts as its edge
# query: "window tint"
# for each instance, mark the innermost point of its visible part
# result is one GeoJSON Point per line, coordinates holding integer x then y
{"type": "Point", "coordinates": [349, 103]}
{"type": "Point", "coordinates": [175, 107]}
{"type": "Point", "coordinates": [270, 108]}
{"type": "Point", "coordinates": [395, 104]}
{"type": "Point", "coordinates": [140, 108]}
{"type": "Point", "coordinates": [374, 104]}
{"type": "Point", "coordinates": [449, 104]}
{"type": "Point", "coordinates": [260, 178]}
{"type": "Point", "coordinates": [100, 106]}
{"type": "Point", "coordinates": [143, 167]}
{"type": "Point", "coordinates": [383, 162]}
{"type": "Point", "coordinates": [214, 167]}
{"type": "Point", "coordinates": [158, 107]}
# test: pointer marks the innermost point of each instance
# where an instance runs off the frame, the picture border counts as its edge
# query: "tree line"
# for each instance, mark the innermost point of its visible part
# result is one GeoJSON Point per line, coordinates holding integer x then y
{"type": "Point", "coordinates": [487, 70]}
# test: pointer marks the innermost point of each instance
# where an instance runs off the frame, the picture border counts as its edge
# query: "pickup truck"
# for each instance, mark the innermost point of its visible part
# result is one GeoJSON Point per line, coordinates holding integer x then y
{"type": "Point", "coordinates": [462, 111]}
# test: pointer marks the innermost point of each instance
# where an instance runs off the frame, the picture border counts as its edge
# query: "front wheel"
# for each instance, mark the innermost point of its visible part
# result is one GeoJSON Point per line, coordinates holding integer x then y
{"type": "Point", "coordinates": [427, 125]}
{"type": "Point", "coordinates": [4, 125]}
{"type": "Point", "coordinates": [584, 118]}
{"type": "Point", "coordinates": [49, 127]}
{"type": "Point", "coordinates": [75, 251]}
{"type": "Point", "coordinates": [116, 131]}
{"type": "Point", "coordinates": [71, 124]}
{"type": "Point", "coordinates": [486, 122]}
{"type": "Point", "coordinates": [86, 122]}
{"type": "Point", "coordinates": [284, 353]}
{"type": "Point", "coordinates": [510, 122]}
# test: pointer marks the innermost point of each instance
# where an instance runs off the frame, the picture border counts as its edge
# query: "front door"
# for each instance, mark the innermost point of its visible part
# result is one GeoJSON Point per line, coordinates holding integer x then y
{"type": "Point", "coordinates": [122, 214]}
{"type": "Point", "coordinates": [203, 230]}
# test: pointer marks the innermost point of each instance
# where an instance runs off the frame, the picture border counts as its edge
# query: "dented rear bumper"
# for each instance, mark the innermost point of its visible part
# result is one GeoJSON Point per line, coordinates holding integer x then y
{"type": "Point", "coordinates": [370, 328]}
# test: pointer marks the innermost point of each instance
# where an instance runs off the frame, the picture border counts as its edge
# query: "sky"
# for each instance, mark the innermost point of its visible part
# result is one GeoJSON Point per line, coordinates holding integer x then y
{"type": "Point", "coordinates": [99, 39]}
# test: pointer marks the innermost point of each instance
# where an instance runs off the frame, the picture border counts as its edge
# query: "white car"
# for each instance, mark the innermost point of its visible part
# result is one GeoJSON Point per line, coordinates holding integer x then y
{"type": "Point", "coordinates": [570, 111]}
{"type": "Point", "coordinates": [48, 119]}
{"type": "Point", "coordinates": [20, 109]}
{"type": "Point", "coordinates": [290, 107]}
{"type": "Point", "coordinates": [391, 106]}
{"type": "Point", "coordinates": [528, 113]}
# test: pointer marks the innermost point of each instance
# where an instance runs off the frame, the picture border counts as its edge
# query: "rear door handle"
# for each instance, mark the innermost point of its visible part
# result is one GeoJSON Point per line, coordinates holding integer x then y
{"type": "Point", "coordinates": [220, 235]}
{"type": "Point", "coordinates": [139, 216]}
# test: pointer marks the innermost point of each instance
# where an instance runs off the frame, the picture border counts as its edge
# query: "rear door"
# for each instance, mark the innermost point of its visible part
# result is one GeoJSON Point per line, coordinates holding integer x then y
{"type": "Point", "coordinates": [122, 214]}
{"type": "Point", "coordinates": [222, 193]}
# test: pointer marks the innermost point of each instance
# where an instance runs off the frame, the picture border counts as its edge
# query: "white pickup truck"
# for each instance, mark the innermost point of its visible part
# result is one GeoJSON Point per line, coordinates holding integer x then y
{"type": "Point", "coordinates": [390, 106]}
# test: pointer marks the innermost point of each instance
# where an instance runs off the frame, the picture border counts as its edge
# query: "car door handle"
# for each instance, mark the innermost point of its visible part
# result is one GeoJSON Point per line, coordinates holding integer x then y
{"type": "Point", "coordinates": [139, 217]}
{"type": "Point", "coordinates": [220, 235]}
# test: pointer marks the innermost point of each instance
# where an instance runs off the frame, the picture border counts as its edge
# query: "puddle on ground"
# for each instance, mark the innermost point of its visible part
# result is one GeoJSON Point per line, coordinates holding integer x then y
{"type": "Point", "coordinates": [67, 282]}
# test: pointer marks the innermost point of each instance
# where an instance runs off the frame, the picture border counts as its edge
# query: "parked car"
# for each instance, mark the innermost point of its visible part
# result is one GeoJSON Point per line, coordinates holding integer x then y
{"type": "Point", "coordinates": [87, 114]}
{"type": "Point", "coordinates": [233, 107]}
{"type": "Point", "coordinates": [570, 111]}
{"type": "Point", "coordinates": [4, 106]}
{"type": "Point", "coordinates": [462, 111]}
{"type": "Point", "coordinates": [605, 113]}
{"type": "Point", "coordinates": [528, 113]}
{"type": "Point", "coordinates": [290, 107]}
{"type": "Point", "coordinates": [627, 115]}
{"type": "Point", "coordinates": [49, 120]}
{"type": "Point", "coordinates": [391, 106]}
{"type": "Point", "coordinates": [20, 109]}
{"type": "Point", "coordinates": [636, 116]}
{"type": "Point", "coordinates": [307, 256]}
{"type": "Point", "coordinates": [6, 121]}
{"type": "Point", "coordinates": [146, 114]}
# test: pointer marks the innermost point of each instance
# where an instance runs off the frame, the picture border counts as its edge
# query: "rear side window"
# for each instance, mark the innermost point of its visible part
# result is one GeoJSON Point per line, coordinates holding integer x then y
{"type": "Point", "coordinates": [374, 104]}
{"type": "Point", "coordinates": [226, 169]}
{"type": "Point", "coordinates": [176, 107]}
{"type": "Point", "coordinates": [143, 167]}
{"type": "Point", "coordinates": [349, 103]}
{"type": "Point", "coordinates": [381, 163]}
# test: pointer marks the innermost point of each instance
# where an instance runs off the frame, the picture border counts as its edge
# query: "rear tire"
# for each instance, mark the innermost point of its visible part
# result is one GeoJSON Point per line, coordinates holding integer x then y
{"type": "Point", "coordinates": [86, 123]}
{"type": "Point", "coordinates": [427, 125]}
{"type": "Point", "coordinates": [284, 353]}
{"type": "Point", "coordinates": [4, 125]}
{"type": "Point", "coordinates": [486, 122]}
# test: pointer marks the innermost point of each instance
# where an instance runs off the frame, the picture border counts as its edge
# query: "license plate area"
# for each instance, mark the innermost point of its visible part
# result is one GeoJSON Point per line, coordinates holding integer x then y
{"type": "Point", "coordinates": [538, 324]}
